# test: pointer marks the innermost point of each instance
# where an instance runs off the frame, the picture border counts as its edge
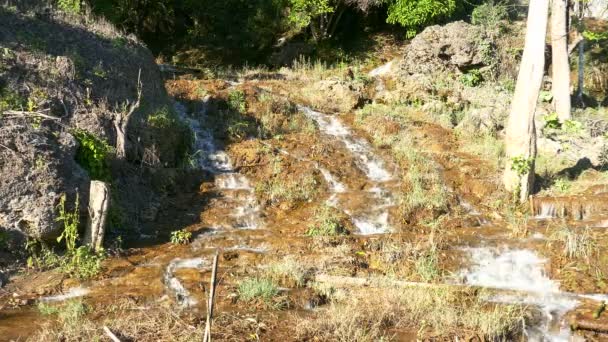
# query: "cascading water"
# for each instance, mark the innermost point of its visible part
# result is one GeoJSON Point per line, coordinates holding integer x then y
{"type": "Point", "coordinates": [375, 219]}
{"type": "Point", "coordinates": [182, 295]}
{"type": "Point", "coordinates": [234, 185]}
{"type": "Point", "coordinates": [523, 271]}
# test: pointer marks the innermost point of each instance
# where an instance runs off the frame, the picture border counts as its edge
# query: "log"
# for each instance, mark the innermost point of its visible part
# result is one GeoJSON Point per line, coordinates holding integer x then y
{"type": "Point", "coordinates": [99, 203]}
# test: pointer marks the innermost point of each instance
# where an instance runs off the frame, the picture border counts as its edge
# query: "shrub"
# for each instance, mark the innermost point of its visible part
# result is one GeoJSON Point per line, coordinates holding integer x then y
{"type": "Point", "coordinates": [490, 16]}
{"type": "Point", "coordinates": [414, 14]}
{"type": "Point", "coordinates": [69, 6]}
{"type": "Point", "coordinates": [236, 101]}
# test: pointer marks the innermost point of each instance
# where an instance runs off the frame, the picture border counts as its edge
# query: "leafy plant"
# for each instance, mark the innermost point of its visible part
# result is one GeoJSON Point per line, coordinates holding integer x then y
{"type": "Point", "coordinates": [415, 14]}
{"type": "Point", "coordinates": [490, 16]}
{"type": "Point", "coordinates": [521, 165]}
{"type": "Point", "coordinates": [472, 78]}
{"type": "Point", "coordinates": [69, 6]}
{"type": "Point", "coordinates": [181, 237]}
{"type": "Point", "coordinates": [93, 154]}
{"type": "Point", "coordinates": [552, 121]}
{"type": "Point", "coordinates": [545, 96]}
{"type": "Point", "coordinates": [572, 126]}
{"type": "Point", "coordinates": [69, 313]}
{"type": "Point", "coordinates": [70, 220]}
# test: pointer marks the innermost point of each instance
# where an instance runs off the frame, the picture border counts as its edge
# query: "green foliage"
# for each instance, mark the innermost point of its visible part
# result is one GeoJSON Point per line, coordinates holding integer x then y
{"type": "Point", "coordinates": [552, 121]}
{"type": "Point", "coordinates": [69, 6]}
{"type": "Point", "coordinates": [595, 37]}
{"type": "Point", "coordinates": [82, 262]}
{"type": "Point", "coordinates": [427, 265]}
{"type": "Point", "coordinates": [572, 126]}
{"type": "Point", "coordinates": [173, 136]}
{"type": "Point", "coordinates": [70, 220]}
{"type": "Point", "coordinates": [181, 237]}
{"type": "Point", "coordinates": [236, 101]}
{"type": "Point", "coordinates": [490, 16]}
{"type": "Point", "coordinates": [10, 100]}
{"type": "Point", "coordinates": [521, 165]}
{"type": "Point", "coordinates": [328, 222]}
{"type": "Point", "coordinates": [257, 289]}
{"type": "Point", "coordinates": [472, 78]}
{"type": "Point", "coordinates": [303, 13]}
{"type": "Point", "coordinates": [69, 313]}
{"type": "Point", "coordinates": [545, 96]}
{"type": "Point", "coordinates": [415, 14]}
{"type": "Point", "coordinates": [93, 154]}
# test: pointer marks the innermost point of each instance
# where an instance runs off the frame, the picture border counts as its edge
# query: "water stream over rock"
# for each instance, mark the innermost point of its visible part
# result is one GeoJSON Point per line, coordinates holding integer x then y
{"type": "Point", "coordinates": [523, 271]}
{"type": "Point", "coordinates": [374, 220]}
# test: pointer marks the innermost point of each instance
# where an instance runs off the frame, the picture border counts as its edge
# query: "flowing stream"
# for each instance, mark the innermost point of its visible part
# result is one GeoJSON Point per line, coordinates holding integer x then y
{"type": "Point", "coordinates": [523, 271]}
{"type": "Point", "coordinates": [374, 220]}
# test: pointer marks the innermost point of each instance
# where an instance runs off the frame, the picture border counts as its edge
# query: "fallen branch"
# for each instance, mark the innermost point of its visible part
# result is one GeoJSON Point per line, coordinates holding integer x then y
{"type": "Point", "coordinates": [207, 337]}
{"type": "Point", "coordinates": [110, 334]}
{"type": "Point", "coordinates": [590, 325]}
{"type": "Point", "coordinates": [21, 113]}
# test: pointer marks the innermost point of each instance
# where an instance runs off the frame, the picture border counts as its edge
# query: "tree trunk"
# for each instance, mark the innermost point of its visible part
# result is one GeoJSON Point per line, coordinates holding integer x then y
{"type": "Point", "coordinates": [521, 134]}
{"type": "Point", "coordinates": [99, 203]}
{"type": "Point", "coordinates": [121, 139]}
{"type": "Point", "coordinates": [560, 64]}
{"type": "Point", "coordinates": [580, 11]}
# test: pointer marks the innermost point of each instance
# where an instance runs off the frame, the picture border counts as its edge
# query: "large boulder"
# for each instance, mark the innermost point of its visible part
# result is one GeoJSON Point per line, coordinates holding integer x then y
{"type": "Point", "coordinates": [451, 47]}
{"type": "Point", "coordinates": [79, 72]}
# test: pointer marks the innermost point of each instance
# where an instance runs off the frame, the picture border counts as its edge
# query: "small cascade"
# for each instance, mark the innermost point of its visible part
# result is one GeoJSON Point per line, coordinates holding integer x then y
{"type": "Point", "coordinates": [182, 295]}
{"type": "Point", "coordinates": [74, 292]}
{"type": "Point", "coordinates": [573, 207]}
{"type": "Point", "coordinates": [375, 218]}
{"type": "Point", "coordinates": [522, 270]}
{"type": "Point", "coordinates": [235, 186]}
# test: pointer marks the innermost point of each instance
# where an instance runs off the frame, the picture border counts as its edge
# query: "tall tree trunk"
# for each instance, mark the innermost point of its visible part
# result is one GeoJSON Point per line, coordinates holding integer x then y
{"type": "Point", "coordinates": [580, 11]}
{"type": "Point", "coordinates": [560, 64]}
{"type": "Point", "coordinates": [521, 134]}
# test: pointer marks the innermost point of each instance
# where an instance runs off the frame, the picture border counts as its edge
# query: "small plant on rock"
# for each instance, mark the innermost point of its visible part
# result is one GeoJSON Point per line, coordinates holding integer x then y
{"type": "Point", "coordinates": [181, 237]}
{"type": "Point", "coordinates": [521, 165]}
{"type": "Point", "coordinates": [472, 78]}
{"type": "Point", "coordinates": [93, 154]}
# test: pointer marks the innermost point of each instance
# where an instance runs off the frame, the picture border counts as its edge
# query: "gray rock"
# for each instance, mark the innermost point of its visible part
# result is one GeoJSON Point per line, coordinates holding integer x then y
{"type": "Point", "coordinates": [450, 47]}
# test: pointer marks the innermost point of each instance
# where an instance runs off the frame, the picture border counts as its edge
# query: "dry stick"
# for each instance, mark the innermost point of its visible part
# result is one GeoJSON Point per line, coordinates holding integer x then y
{"type": "Point", "coordinates": [110, 334]}
{"type": "Point", "coordinates": [207, 337]}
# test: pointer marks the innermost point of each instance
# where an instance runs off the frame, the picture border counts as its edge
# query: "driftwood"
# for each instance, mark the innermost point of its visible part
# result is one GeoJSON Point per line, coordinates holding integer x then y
{"type": "Point", "coordinates": [207, 337]}
{"type": "Point", "coordinates": [110, 334]}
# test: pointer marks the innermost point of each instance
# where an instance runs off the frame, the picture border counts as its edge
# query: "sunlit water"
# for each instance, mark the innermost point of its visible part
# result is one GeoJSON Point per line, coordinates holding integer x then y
{"type": "Point", "coordinates": [375, 221]}
{"type": "Point", "coordinates": [522, 270]}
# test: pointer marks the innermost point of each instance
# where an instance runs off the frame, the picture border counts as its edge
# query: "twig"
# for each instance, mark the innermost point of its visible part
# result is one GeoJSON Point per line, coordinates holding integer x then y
{"type": "Point", "coordinates": [26, 113]}
{"type": "Point", "coordinates": [207, 337]}
{"type": "Point", "coordinates": [110, 334]}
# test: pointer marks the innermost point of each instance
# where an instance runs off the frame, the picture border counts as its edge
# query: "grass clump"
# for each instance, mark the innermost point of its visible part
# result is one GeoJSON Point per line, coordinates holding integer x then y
{"type": "Point", "coordinates": [288, 271]}
{"type": "Point", "coordinates": [368, 315]}
{"type": "Point", "coordinates": [327, 222]}
{"type": "Point", "coordinates": [425, 188]}
{"type": "Point", "coordinates": [260, 290]}
{"type": "Point", "coordinates": [288, 190]}
{"type": "Point", "coordinates": [577, 243]}
{"type": "Point", "coordinates": [69, 314]}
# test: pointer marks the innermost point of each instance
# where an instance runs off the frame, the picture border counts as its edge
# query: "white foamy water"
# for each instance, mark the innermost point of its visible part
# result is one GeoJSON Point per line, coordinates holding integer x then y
{"type": "Point", "coordinates": [382, 70]}
{"type": "Point", "coordinates": [523, 270]}
{"type": "Point", "coordinates": [182, 295]}
{"type": "Point", "coordinates": [331, 125]}
{"type": "Point", "coordinates": [547, 211]}
{"type": "Point", "coordinates": [73, 292]}
{"type": "Point", "coordinates": [375, 219]}
{"type": "Point", "coordinates": [210, 157]}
